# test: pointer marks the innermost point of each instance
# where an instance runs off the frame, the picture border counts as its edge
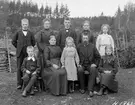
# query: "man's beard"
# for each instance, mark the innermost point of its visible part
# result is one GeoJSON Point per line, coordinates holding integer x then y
{"type": "Point", "coordinates": [85, 42]}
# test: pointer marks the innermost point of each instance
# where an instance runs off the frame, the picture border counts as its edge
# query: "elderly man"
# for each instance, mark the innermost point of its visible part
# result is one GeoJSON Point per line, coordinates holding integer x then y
{"type": "Point", "coordinates": [89, 61]}
{"type": "Point", "coordinates": [86, 31]}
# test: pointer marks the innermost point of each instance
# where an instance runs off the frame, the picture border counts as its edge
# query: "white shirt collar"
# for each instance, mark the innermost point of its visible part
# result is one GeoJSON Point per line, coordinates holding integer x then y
{"type": "Point", "coordinates": [31, 58]}
{"type": "Point", "coordinates": [25, 33]}
{"type": "Point", "coordinates": [104, 34]}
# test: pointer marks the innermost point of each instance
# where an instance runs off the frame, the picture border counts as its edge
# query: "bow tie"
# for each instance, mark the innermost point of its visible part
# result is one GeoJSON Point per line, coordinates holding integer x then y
{"type": "Point", "coordinates": [25, 30]}
{"type": "Point", "coordinates": [67, 30]}
{"type": "Point", "coordinates": [31, 58]}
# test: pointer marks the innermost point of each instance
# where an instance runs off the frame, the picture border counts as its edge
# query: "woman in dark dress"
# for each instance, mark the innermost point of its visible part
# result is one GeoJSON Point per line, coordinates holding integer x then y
{"type": "Point", "coordinates": [42, 39]}
{"type": "Point", "coordinates": [108, 69]}
{"type": "Point", "coordinates": [54, 76]}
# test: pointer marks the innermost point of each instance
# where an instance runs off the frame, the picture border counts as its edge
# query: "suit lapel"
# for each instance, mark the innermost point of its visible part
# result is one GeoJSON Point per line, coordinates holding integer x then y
{"type": "Point", "coordinates": [90, 50]}
{"type": "Point", "coordinates": [82, 50]}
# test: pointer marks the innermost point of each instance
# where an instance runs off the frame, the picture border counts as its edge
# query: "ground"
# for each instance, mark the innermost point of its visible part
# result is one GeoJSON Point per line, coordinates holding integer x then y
{"type": "Point", "coordinates": [9, 95]}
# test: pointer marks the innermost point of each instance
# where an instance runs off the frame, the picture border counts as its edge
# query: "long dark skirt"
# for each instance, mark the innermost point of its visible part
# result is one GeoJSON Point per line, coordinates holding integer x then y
{"type": "Point", "coordinates": [109, 81]}
{"type": "Point", "coordinates": [55, 80]}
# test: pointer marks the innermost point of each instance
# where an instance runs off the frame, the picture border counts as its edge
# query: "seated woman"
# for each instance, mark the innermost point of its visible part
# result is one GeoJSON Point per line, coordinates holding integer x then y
{"type": "Point", "coordinates": [108, 69]}
{"type": "Point", "coordinates": [54, 77]}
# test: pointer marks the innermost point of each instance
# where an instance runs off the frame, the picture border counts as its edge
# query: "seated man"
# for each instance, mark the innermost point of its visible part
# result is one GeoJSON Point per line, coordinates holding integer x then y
{"type": "Point", "coordinates": [89, 60]}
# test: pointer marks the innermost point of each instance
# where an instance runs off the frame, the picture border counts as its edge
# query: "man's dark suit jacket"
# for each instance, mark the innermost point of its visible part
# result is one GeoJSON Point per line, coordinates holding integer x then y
{"type": "Point", "coordinates": [19, 41]}
{"type": "Point", "coordinates": [90, 53]}
{"type": "Point", "coordinates": [61, 38]}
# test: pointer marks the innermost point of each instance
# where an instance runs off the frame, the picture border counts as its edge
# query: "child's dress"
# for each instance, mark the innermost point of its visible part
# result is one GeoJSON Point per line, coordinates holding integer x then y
{"type": "Point", "coordinates": [102, 41]}
{"type": "Point", "coordinates": [70, 60]}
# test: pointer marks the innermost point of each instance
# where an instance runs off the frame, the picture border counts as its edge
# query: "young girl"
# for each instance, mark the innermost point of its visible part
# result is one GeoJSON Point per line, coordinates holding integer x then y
{"type": "Point", "coordinates": [69, 60]}
{"type": "Point", "coordinates": [108, 69]}
{"type": "Point", "coordinates": [104, 39]}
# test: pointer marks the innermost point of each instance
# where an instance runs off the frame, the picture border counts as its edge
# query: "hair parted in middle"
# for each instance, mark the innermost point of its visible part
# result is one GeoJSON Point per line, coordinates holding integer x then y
{"type": "Point", "coordinates": [105, 25]}
{"type": "Point", "coordinates": [25, 20]}
{"type": "Point", "coordinates": [109, 47]}
{"type": "Point", "coordinates": [71, 39]}
{"type": "Point", "coordinates": [30, 47]}
{"type": "Point", "coordinates": [52, 36]}
{"type": "Point", "coordinates": [46, 19]}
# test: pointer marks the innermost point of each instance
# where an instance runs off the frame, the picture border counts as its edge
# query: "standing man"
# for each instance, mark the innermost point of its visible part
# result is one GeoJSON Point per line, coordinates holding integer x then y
{"type": "Point", "coordinates": [89, 60]}
{"type": "Point", "coordinates": [20, 41]}
{"type": "Point", "coordinates": [86, 31]}
{"type": "Point", "coordinates": [66, 32]}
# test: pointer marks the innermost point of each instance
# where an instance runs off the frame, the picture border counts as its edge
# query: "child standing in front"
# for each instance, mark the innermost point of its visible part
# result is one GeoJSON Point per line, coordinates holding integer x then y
{"type": "Point", "coordinates": [104, 40]}
{"type": "Point", "coordinates": [30, 68]}
{"type": "Point", "coordinates": [69, 60]}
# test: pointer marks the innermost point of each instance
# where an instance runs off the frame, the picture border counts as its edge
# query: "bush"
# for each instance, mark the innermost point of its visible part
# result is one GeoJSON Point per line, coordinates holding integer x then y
{"type": "Point", "coordinates": [127, 57]}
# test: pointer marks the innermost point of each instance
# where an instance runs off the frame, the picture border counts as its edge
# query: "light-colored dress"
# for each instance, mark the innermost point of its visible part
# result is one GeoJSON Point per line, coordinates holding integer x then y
{"type": "Point", "coordinates": [102, 41]}
{"type": "Point", "coordinates": [69, 60]}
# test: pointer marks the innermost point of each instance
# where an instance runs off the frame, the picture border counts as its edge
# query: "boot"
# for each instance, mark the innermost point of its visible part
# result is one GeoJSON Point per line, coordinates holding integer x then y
{"type": "Point", "coordinates": [24, 94]}
{"type": "Point", "coordinates": [100, 91]}
{"type": "Point", "coordinates": [106, 91]}
{"type": "Point", "coordinates": [32, 91]}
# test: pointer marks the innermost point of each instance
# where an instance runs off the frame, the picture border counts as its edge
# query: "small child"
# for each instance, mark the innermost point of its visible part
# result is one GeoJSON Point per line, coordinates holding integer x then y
{"type": "Point", "coordinates": [104, 39]}
{"type": "Point", "coordinates": [69, 60]}
{"type": "Point", "coordinates": [108, 69]}
{"type": "Point", "coordinates": [30, 69]}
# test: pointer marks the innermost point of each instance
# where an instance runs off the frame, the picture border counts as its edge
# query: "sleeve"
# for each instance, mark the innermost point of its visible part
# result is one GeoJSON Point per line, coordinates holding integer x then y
{"type": "Point", "coordinates": [98, 43]}
{"type": "Point", "coordinates": [97, 57]}
{"type": "Point", "coordinates": [92, 39]}
{"type": "Point", "coordinates": [58, 39]}
{"type": "Point", "coordinates": [63, 57]}
{"type": "Point", "coordinates": [33, 42]}
{"type": "Point", "coordinates": [38, 37]}
{"type": "Point", "coordinates": [115, 66]}
{"type": "Point", "coordinates": [112, 42]}
{"type": "Point", "coordinates": [100, 68]}
{"type": "Point", "coordinates": [38, 66]}
{"type": "Point", "coordinates": [75, 38]}
{"type": "Point", "coordinates": [77, 57]}
{"type": "Point", "coordinates": [14, 40]}
{"type": "Point", "coordinates": [23, 67]}
{"type": "Point", "coordinates": [79, 39]}
{"type": "Point", "coordinates": [47, 57]}
{"type": "Point", "coordinates": [79, 54]}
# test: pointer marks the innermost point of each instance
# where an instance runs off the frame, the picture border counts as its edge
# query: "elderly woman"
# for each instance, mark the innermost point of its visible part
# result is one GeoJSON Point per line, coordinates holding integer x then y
{"type": "Point", "coordinates": [54, 76]}
{"type": "Point", "coordinates": [42, 37]}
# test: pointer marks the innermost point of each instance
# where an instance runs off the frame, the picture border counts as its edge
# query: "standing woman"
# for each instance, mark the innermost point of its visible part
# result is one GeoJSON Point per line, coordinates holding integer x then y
{"type": "Point", "coordinates": [42, 37]}
{"type": "Point", "coordinates": [104, 40]}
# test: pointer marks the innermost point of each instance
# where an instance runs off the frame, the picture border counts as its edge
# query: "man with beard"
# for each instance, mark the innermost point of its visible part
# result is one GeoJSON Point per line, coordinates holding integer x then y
{"type": "Point", "coordinates": [89, 61]}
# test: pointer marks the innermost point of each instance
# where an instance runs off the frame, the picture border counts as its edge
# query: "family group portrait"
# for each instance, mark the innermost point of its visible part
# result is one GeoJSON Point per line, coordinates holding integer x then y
{"type": "Point", "coordinates": [63, 52]}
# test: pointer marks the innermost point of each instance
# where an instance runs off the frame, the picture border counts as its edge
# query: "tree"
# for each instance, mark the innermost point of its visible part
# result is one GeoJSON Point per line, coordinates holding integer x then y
{"type": "Point", "coordinates": [41, 11]}
{"type": "Point", "coordinates": [56, 11]}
